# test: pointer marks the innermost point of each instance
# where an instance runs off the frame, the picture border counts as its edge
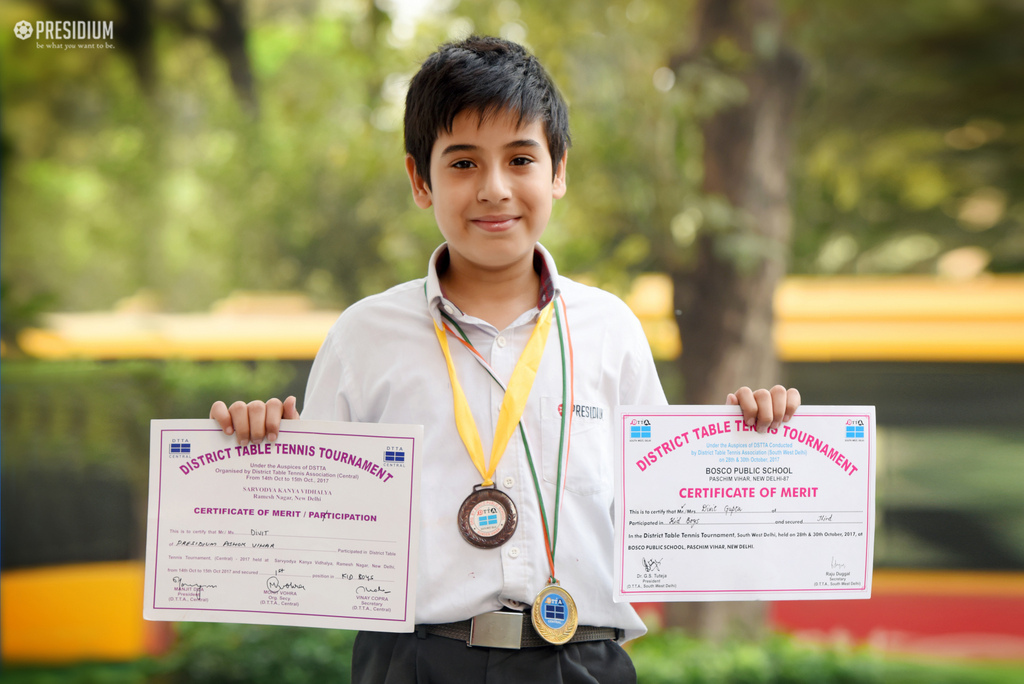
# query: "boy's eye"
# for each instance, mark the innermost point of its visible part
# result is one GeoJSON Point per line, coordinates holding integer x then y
{"type": "Point", "coordinates": [462, 164]}
{"type": "Point", "coordinates": [521, 161]}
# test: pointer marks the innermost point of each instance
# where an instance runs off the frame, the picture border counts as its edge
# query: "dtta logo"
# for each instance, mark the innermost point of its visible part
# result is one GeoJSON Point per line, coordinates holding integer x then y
{"type": "Point", "coordinates": [640, 429]}
{"type": "Point", "coordinates": [394, 456]}
{"type": "Point", "coordinates": [180, 448]}
{"type": "Point", "coordinates": [854, 429]}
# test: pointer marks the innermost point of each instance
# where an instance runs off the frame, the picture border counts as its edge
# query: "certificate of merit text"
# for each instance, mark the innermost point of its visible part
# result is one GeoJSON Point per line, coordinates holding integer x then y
{"type": "Point", "coordinates": [708, 509]}
{"type": "Point", "coordinates": [317, 529]}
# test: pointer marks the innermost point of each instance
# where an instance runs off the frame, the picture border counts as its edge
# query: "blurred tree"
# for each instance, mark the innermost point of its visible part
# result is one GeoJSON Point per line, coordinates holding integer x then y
{"type": "Point", "coordinates": [724, 294]}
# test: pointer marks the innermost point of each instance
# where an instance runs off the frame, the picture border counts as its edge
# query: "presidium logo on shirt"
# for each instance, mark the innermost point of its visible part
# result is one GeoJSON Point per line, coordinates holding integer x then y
{"type": "Point", "coordinates": [583, 412]}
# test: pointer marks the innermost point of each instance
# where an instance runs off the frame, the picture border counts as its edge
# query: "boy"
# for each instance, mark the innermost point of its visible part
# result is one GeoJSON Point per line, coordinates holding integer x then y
{"type": "Point", "coordinates": [487, 137]}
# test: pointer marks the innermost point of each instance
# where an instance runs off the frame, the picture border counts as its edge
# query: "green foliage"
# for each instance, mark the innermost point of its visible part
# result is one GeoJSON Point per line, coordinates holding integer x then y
{"type": "Point", "coordinates": [81, 425]}
{"type": "Point", "coordinates": [18, 313]}
{"type": "Point", "coordinates": [120, 178]}
{"type": "Point", "coordinates": [290, 655]}
{"type": "Point", "coordinates": [251, 654]}
{"type": "Point", "coordinates": [79, 414]}
{"type": "Point", "coordinates": [91, 673]}
{"type": "Point", "coordinates": [668, 657]}
{"type": "Point", "coordinates": [909, 138]}
{"type": "Point", "coordinates": [115, 184]}
{"type": "Point", "coordinates": [181, 191]}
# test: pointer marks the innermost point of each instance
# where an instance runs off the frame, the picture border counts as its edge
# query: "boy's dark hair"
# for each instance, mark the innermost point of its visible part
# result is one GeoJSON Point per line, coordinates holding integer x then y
{"type": "Point", "coordinates": [486, 75]}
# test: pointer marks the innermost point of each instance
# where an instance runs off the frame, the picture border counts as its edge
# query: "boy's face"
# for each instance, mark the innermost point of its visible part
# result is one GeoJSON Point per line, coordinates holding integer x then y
{"type": "Point", "coordinates": [492, 188]}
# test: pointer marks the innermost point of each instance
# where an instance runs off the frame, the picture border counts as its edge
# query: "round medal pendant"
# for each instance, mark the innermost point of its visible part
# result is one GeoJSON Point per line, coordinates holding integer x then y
{"type": "Point", "coordinates": [487, 518]}
{"type": "Point", "coordinates": [554, 615]}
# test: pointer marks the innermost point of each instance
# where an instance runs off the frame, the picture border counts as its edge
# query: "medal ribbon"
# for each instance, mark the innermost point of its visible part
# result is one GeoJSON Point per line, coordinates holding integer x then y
{"type": "Point", "coordinates": [568, 399]}
{"type": "Point", "coordinates": [512, 405]}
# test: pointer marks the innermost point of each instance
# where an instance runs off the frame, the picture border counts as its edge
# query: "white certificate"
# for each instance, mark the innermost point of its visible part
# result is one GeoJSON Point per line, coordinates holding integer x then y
{"type": "Point", "coordinates": [708, 509]}
{"type": "Point", "coordinates": [317, 529]}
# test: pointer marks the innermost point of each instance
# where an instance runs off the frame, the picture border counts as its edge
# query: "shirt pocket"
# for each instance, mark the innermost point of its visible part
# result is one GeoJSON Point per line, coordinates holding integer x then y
{"type": "Point", "coordinates": [589, 466]}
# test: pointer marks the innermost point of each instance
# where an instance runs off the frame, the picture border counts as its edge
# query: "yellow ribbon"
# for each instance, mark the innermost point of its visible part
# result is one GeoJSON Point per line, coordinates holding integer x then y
{"type": "Point", "coordinates": [512, 405]}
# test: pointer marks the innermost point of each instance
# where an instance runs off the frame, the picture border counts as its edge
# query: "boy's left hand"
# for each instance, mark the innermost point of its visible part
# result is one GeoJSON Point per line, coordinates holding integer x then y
{"type": "Point", "coordinates": [765, 408]}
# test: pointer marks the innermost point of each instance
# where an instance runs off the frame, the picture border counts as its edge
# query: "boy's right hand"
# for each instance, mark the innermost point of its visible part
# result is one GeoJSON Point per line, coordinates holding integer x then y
{"type": "Point", "coordinates": [253, 421]}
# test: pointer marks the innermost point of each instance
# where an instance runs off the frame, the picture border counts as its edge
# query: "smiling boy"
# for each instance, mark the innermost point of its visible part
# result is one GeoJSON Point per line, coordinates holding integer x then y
{"type": "Point", "coordinates": [515, 372]}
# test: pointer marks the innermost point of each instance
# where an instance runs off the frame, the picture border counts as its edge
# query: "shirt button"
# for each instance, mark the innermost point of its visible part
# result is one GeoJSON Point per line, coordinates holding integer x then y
{"type": "Point", "coordinates": [448, 309]}
{"type": "Point", "coordinates": [509, 482]}
{"type": "Point", "coordinates": [513, 552]}
{"type": "Point", "coordinates": [501, 341]}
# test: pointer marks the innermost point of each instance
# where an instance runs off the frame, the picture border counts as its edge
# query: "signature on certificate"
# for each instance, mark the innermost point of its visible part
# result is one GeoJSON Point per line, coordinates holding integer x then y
{"type": "Point", "coordinates": [651, 565]}
{"type": "Point", "coordinates": [182, 585]}
{"type": "Point", "coordinates": [274, 585]}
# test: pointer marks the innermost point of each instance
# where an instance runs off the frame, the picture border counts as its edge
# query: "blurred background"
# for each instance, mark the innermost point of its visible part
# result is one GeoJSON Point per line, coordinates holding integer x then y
{"type": "Point", "coordinates": [828, 194]}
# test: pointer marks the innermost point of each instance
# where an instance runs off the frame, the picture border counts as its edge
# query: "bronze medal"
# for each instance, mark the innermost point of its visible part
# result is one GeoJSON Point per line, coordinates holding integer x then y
{"type": "Point", "coordinates": [554, 615]}
{"type": "Point", "coordinates": [487, 518]}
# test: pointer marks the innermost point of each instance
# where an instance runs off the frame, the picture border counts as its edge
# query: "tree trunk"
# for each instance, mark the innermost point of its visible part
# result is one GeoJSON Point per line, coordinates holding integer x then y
{"type": "Point", "coordinates": [724, 301]}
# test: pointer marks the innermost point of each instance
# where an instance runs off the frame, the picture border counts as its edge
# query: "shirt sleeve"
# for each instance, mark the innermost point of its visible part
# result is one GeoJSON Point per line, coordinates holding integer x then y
{"type": "Point", "coordinates": [640, 383]}
{"type": "Point", "coordinates": [325, 390]}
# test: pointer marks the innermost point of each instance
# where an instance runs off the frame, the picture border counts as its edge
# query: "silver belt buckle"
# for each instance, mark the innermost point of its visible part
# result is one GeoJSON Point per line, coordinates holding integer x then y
{"type": "Point", "coordinates": [498, 629]}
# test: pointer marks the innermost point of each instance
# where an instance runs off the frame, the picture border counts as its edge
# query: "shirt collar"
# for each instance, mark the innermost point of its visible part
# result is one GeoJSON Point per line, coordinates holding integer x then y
{"type": "Point", "coordinates": [542, 261]}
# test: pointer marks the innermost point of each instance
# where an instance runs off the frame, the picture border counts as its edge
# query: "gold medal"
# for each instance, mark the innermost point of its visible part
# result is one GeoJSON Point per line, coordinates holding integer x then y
{"type": "Point", "coordinates": [487, 518]}
{"type": "Point", "coordinates": [554, 615]}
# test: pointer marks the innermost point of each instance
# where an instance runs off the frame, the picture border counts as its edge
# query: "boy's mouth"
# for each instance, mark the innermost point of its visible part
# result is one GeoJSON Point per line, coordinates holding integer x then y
{"type": "Point", "coordinates": [495, 223]}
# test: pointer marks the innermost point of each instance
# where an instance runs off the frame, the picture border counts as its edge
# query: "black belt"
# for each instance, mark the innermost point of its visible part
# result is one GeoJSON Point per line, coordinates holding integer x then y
{"type": "Point", "coordinates": [508, 629]}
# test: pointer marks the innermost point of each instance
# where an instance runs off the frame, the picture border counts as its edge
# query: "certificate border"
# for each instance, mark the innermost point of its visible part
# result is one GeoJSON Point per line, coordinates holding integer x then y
{"type": "Point", "coordinates": [361, 618]}
{"type": "Point", "coordinates": [808, 412]}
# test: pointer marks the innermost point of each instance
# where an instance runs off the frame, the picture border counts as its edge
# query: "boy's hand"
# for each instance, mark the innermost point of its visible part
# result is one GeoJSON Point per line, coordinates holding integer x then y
{"type": "Point", "coordinates": [255, 420]}
{"type": "Point", "coordinates": [765, 408]}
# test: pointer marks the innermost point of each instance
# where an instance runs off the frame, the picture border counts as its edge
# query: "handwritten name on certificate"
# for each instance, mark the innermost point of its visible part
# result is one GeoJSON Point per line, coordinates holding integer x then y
{"type": "Point", "coordinates": [708, 509]}
{"type": "Point", "coordinates": [317, 529]}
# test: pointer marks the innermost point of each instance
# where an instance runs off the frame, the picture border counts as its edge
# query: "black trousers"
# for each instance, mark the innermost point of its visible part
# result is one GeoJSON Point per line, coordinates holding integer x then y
{"type": "Point", "coordinates": [380, 658]}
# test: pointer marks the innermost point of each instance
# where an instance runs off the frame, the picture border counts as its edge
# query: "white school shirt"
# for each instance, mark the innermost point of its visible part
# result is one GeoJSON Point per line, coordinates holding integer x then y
{"type": "Point", "coordinates": [381, 363]}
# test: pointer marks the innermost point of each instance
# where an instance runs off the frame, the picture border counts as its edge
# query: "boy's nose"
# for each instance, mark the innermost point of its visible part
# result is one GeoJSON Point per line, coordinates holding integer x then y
{"type": "Point", "coordinates": [494, 186]}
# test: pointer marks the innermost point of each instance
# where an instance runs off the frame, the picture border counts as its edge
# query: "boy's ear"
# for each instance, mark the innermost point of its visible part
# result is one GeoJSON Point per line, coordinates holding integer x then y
{"type": "Point", "coordinates": [420, 190]}
{"type": "Point", "coordinates": [558, 186]}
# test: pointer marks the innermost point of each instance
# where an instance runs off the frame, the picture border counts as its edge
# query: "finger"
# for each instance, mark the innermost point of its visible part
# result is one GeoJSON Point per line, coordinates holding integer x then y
{"type": "Point", "coordinates": [764, 409]}
{"type": "Point", "coordinates": [273, 425]}
{"type": "Point", "coordinates": [240, 419]}
{"type": "Point", "coordinates": [792, 403]}
{"type": "Point", "coordinates": [778, 405]}
{"type": "Point", "coordinates": [748, 405]}
{"type": "Point", "coordinates": [257, 420]}
{"type": "Point", "coordinates": [219, 412]}
{"type": "Point", "coordinates": [731, 400]}
{"type": "Point", "coordinates": [290, 412]}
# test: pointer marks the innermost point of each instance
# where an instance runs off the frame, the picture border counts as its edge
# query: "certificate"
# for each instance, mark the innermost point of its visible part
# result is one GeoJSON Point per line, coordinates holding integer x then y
{"type": "Point", "coordinates": [317, 529]}
{"type": "Point", "coordinates": [708, 509]}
